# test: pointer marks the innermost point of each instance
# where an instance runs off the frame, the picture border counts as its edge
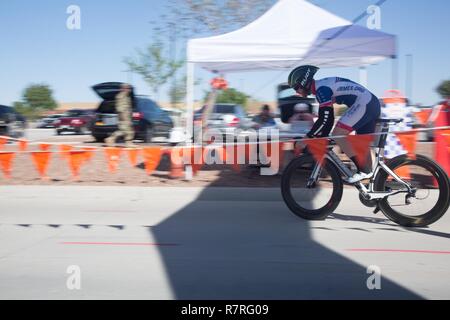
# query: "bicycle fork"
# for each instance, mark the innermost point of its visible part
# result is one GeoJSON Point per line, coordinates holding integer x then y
{"type": "Point", "coordinates": [315, 174]}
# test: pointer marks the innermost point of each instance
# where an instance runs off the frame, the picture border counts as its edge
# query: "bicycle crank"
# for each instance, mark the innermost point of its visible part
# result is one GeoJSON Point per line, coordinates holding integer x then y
{"type": "Point", "coordinates": [367, 202]}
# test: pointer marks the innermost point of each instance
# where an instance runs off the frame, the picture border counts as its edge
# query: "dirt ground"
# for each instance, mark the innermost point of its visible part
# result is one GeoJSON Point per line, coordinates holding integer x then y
{"type": "Point", "coordinates": [96, 173]}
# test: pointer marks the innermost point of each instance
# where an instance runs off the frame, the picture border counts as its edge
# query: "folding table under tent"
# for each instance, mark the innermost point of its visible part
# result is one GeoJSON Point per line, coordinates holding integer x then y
{"type": "Point", "coordinates": [291, 33]}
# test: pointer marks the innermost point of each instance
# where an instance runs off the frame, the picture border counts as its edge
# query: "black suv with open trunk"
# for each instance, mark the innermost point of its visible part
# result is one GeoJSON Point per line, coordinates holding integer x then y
{"type": "Point", "coordinates": [12, 123]}
{"type": "Point", "coordinates": [149, 120]}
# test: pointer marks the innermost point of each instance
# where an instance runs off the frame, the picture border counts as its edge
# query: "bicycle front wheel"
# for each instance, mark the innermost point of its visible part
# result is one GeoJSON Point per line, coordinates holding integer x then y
{"type": "Point", "coordinates": [309, 197]}
{"type": "Point", "coordinates": [432, 195]}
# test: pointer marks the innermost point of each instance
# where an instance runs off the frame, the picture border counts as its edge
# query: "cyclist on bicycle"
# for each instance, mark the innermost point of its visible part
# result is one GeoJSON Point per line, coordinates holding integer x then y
{"type": "Point", "coordinates": [364, 110]}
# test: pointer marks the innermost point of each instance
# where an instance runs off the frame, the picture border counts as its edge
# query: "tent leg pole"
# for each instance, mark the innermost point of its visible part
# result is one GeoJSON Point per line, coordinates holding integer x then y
{"type": "Point", "coordinates": [363, 76]}
{"type": "Point", "coordinates": [189, 115]}
{"type": "Point", "coordinates": [190, 103]}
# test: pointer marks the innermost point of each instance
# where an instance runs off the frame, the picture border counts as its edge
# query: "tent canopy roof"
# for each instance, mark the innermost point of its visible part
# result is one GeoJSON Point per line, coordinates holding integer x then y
{"type": "Point", "coordinates": [292, 32]}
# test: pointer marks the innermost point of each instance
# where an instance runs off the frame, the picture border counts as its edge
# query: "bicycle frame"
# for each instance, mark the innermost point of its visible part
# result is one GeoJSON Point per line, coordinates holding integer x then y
{"type": "Point", "coordinates": [368, 193]}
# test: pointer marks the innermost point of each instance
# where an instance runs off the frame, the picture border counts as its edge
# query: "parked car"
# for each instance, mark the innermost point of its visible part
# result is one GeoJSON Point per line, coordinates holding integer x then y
{"type": "Point", "coordinates": [149, 120]}
{"type": "Point", "coordinates": [49, 121]}
{"type": "Point", "coordinates": [76, 121]}
{"type": "Point", "coordinates": [12, 123]}
{"type": "Point", "coordinates": [287, 99]}
{"type": "Point", "coordinates": [229, 119]}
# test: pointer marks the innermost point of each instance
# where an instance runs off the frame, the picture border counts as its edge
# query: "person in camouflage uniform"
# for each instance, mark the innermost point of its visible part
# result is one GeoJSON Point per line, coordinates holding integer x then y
{"type": "Point", "coordinates": [124, 110]}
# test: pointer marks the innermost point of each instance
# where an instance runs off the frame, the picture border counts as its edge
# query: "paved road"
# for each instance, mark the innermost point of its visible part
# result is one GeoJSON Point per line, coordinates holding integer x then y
{"type": "Point", "coordinates": [193, 243]}
{"type": "Point", "coordinates": [49, 135]}
{"type": "Point", "coordinates": [39, 134]}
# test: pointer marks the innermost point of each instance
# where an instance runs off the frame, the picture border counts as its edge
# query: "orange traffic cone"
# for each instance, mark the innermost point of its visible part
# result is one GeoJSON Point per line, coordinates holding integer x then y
{"type": "Point", "coordinates": [176, 163]}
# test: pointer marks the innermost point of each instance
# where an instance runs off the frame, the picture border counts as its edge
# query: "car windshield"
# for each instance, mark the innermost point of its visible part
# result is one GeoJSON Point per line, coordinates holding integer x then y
{"type": "Point", "coordinates": [224, 109]}
{"type": "Point", "coordinates": [286, 93]}
{"type": "Point", "coordinates": [73, 113]}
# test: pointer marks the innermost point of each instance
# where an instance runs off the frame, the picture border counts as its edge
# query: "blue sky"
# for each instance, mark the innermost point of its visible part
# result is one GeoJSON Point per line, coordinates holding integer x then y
{"type": "Point", "coordinates": [37, 47]}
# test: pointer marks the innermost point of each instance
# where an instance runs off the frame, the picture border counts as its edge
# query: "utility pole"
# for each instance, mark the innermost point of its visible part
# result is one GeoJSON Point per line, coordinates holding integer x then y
{"type": "Point", "coordinates": [173, 52]}
{"type": "Point", "coordinates": [394, 73]}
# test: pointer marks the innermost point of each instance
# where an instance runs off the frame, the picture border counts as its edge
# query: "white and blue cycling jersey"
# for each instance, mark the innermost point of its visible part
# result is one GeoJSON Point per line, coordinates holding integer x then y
{"type": "Point", "coordinates": [364, 106]}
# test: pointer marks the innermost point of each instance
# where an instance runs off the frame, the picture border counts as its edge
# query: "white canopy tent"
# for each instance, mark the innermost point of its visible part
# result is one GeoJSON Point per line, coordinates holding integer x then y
{"type": "Point", "coordinates": [291, 33]}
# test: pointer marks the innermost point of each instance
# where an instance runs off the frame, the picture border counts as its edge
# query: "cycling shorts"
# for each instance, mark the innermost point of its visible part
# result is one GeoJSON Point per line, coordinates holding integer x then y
{"type": "Point", "coordinates": [362, 116]}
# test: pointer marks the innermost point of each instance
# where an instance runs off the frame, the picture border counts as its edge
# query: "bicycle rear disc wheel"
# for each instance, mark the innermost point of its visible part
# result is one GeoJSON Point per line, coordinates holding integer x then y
{"type": "Point", "coordinates": [314, 202]}
{"type": "Point", "coordinates": [432, 197]}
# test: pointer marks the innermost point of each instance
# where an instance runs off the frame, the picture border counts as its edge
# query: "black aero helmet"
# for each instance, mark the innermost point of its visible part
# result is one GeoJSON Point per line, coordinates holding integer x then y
{"type": "Point", "coordinates": [302, 77]}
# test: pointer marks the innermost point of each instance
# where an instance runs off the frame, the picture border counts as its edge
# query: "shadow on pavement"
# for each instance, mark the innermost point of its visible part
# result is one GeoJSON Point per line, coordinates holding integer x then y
{"type": "Point", "coordinates": [247, 245]}
{"type": "Point", "coordinates": [387, 222]}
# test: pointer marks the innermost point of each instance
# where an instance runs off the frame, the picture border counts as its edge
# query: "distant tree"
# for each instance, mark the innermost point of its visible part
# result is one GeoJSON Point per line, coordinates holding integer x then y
{"type": "Point", "coordinates": [36, 99]}
{"type": "Point", "coordinates": [177, 92]}
{"type": "Point", "coordinates": [19, 106]}
{"type": "Point", "coordinates": [444, 89]}
{"type": "Point", "coordinates": [231, 96]}
{"type": "Point", "coordinates": [39, 96]}
{"type": "Point", "coordinates": [195, 18]}
{"type": "Point", "coordinates": [217, 16]}
{"type": "Point", "coordinates": [153, 65]}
